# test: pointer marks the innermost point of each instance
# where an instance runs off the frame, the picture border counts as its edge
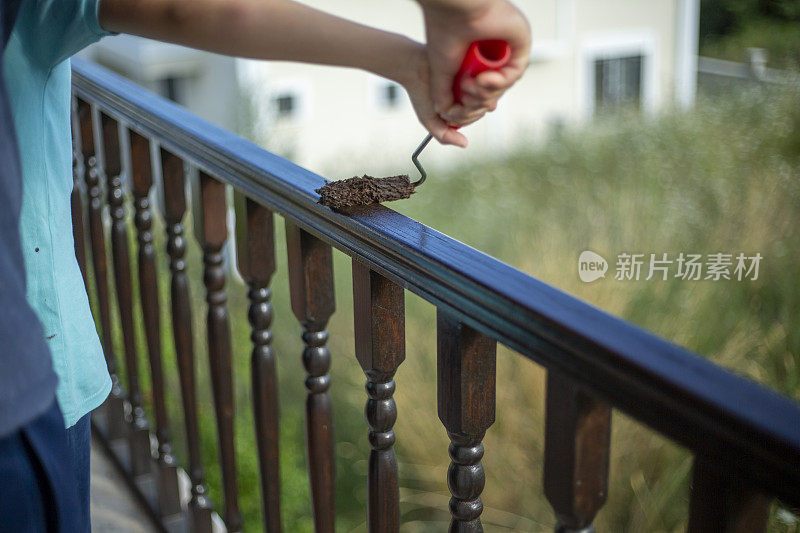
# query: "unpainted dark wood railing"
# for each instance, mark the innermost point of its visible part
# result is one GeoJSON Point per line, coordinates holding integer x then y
{"type": "Point", "coordinates": [255, 240]}
{"type": "Point", "coordinates": [745, 438]}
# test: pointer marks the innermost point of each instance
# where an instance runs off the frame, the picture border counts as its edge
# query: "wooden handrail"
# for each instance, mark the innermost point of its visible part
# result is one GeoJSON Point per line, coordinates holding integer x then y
{"type": "Point", "coordinates": [600, 360]}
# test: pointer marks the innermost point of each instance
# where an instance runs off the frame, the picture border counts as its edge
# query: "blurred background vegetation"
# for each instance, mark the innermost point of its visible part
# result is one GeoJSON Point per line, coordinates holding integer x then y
{"type": "Point", "coordinates": [722, 177]}
{"type": "Point", "coordinates": [728, 27]}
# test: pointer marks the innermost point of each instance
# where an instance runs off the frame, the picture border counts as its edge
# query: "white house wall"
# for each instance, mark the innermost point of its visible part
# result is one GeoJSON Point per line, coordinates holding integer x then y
{"type": "Point", "coordinates": [348, 134]}
{"type": "Point", "coordinates": [206, 82]}
{"type": "Point", "coordinates": [340, 127]}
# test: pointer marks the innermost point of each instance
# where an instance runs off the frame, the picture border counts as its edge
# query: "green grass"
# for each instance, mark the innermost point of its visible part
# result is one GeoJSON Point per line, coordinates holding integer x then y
{"type": "Point", "coordinates": [724, 178]}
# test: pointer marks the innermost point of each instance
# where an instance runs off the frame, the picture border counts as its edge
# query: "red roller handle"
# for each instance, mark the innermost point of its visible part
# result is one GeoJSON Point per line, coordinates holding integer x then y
{"type": "Point", "coordinates": [490, 54]}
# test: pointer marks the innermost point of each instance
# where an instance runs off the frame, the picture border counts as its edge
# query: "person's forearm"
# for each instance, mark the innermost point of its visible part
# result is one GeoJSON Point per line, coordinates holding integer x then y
{"type": "Point", "coordinates": [261, 29]}
{"type": "Point", "coordinates": [465, 8]}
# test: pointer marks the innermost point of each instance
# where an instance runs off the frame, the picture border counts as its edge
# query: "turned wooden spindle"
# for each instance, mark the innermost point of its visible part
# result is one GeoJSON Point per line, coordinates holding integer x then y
{"type": "Point", "coordinates": [576, 450]}
{"type": "Point", "coordinates": [255, 251]}
{"type": "Point", "coordinates": [211, 230]}
{"type": "Point", "coordinates": [76, 197]}
{"type": "Point", "coordinates": [140, 430]}
{"type": "Point", "coordinates": [142, 181]}
{"type": "Point", "coordinates": [76, 206]}
{"type": "Point", "coordinates": [722, 501]}
{"type": "Point", "coordinates": [312, 295]}
{"type": "Point", "coordinates": [379, 320]}
{"type": "Point", "coordinates": [174, 204]}
{"type": "Point", "coordinates": [114, 427]}
{"type": "Point", "coordinates": [466, 398]}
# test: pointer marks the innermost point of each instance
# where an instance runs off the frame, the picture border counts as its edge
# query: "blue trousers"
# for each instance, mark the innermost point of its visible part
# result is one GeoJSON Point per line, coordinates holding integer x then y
{"type": "Point", "coordinates": [79, 446]}
{"type": "Point", "coordinates": [37, 479]}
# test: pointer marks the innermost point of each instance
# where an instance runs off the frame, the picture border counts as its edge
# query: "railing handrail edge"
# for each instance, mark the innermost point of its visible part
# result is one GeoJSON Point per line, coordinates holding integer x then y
{"type": "Point", "coordinates": [543, 323]}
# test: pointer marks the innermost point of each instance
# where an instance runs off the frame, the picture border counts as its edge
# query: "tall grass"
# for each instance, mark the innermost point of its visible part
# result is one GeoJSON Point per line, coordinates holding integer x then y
{"type": "Point", "coordinates": [722, 178]}
{"type": "Point", "coordinates": [725, 178]}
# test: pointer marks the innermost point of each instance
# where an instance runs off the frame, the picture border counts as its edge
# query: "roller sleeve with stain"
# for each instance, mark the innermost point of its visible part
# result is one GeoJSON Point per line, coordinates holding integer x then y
{"type": "Point", "coordinates": [364, 190]}
{"type": "Point", "coordinates": [492, 54]}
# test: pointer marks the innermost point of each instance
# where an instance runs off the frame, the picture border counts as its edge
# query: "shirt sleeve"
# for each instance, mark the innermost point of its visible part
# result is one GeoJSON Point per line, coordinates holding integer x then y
{"type": "Point", "coordinates": [53, 30]}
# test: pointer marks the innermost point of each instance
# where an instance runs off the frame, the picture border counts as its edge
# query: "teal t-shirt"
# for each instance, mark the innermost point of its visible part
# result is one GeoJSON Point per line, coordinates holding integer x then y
{"type": "Point", "coordinates": [37, 72]}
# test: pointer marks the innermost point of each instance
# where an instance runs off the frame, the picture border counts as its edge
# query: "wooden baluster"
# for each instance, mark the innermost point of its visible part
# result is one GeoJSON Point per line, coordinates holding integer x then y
{"type": "Point", "coordinates": [76, 204]}
{"type": "Point", "coordinates": [76, 198]}
{"type": "Point", "coordinates": [577, 437]}
{"type": "Point", "coordinates": [722, 501]}
{"type": "Point", "coordinates": [142, 178]}
{"type": "Point", "coordinates": [466, 398]}
{"type": "Point", "coordinates": [255, 244]}
{"type": "Point", "coordinates": [379, 319]}
{"type": "Point", "coordinates": [174, 205]}
{"type": "Point", "coordinates": [140, 431]}
{"type": "Point", "coordinates": [114, 427]}
{"type": "Point", "coordinates": [312, 295]}
{"type": "Point", "coordinates": [211, 230]}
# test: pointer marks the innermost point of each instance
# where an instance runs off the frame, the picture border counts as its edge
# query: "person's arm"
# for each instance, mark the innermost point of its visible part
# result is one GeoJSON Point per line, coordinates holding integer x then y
{"type": "Point", "coordinates": [283, 30]}
{"type": "Point", "coordinates": [451, 25]}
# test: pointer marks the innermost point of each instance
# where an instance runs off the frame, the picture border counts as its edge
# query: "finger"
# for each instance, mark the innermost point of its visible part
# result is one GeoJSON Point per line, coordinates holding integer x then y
{"type": "Point", "coordinates": [493, 81]}
{"type": "Point", "coordinates": [470, 103]}
{"type": "Point", "coordinates": [477, 105]}
{"type": "Point", "coordinates": [469, 85]}
{"type": "Point", "coordinates": [474, 101]}
{"type": "Point", "coordinates": [465, 117]}
{"type": "Point", "coordinates": [443, 133]}
{"type": "Point", "coordinates": [481, 100]}
{"type": "Point", "coordinates": [453, 137]}
{"type": "Point", "coordinates": [470, 121]}
{"type": "Point", "coordinates": [513, 71]}
{"type": "Point", "coordinates": [487, 86]}
{"type": "Point", "coordinates": [457, 114]}
{"type": "Point", "coordinates": [466, 121]}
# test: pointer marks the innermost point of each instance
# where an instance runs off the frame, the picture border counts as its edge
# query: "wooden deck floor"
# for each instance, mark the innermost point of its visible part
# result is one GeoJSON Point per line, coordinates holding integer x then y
{"type": "Point", "coordinates": [114, 509]}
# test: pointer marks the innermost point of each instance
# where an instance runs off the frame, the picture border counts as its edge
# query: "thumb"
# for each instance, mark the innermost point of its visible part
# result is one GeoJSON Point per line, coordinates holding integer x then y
{"type": "Point", "coordinates": [443, 72]}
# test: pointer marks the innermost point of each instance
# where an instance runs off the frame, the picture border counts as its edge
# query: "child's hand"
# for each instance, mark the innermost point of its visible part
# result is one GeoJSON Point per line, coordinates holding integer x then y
{"type": "Point", "coordinates": [415, 78]}
{"type": "Point", "coordinates": [450, 28]}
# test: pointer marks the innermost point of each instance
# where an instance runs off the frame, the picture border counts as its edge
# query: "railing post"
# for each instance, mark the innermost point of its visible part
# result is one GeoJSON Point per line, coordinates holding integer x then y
{"type": "Point", "coordinates": [466, 363]}
{"type": "Point", "coordinates": [174, 203]}
{"type": "Point", "coordinates": [576, 449]}
{"type": "Point", "coordinates": [140, 466]}
{"type": "Point", "coordinates": [142, 180]}
{"type": "Point", "coordinates": [211, 230]}
{"type": "Point", "coordinates": [113, 427]}
{"type": "Point", "coordinates": [312, 295]}
{"type": "Point", "coordinates": [255, 247]}
{"type": "Point", "coordinates": [722, 501]}
{"type": "Point", "coordinates": [379, 320]}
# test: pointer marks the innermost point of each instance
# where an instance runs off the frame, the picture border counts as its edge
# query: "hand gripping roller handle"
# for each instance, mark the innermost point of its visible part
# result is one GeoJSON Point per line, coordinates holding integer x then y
{"type": "Point", "coordinates": [490, 54]}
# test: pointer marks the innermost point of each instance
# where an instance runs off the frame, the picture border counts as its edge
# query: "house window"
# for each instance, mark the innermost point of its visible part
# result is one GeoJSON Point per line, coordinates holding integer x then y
{"type": "Point", "coordinates": [285, 105]}
{"type": "Point", "coordinates": [618, 83]}
{"type": "Point", "coordinates": [390, 95]}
